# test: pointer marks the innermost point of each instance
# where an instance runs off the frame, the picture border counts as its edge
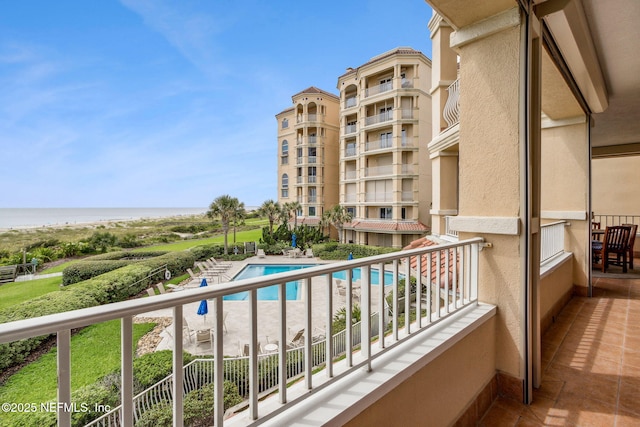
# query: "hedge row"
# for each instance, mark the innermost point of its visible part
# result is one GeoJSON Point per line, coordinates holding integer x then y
{"type": "Point", "coordinates": [99, 264]}
{"type": "Point", "coordinates": [337, 251]}
{"type": "Point", "coordinates": [114, 286]}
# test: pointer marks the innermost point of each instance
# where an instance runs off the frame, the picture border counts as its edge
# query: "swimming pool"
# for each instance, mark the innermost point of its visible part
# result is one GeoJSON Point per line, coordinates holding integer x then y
{"type": "Point", "coordinates": [293, 289]}
{"type": "Point", "coordinates": [269, 293]}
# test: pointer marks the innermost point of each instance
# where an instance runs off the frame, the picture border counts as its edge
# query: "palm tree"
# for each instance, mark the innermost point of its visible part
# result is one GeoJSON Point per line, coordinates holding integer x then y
{"type": "Point", "coordinates": [290, 208]}
{"type": "Point", "coordinates": [338, 215]}
{"type": "Point", "coordinates": [238, 217]}
{"type": "Point", "coordinates": [224, 208]}
{"type": "Point", "coordinates": [272, 211]}
{"type": "Point", "coordinates": [325, 222]}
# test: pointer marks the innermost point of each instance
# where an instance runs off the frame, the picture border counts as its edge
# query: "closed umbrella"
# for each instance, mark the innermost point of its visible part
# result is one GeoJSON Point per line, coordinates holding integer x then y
{"type": "Point", "coordinates": [350, 257]}
{"type": "Point", "coordinates": [203, 309]}
{"type": "Point", "coordinates": [293, 240]}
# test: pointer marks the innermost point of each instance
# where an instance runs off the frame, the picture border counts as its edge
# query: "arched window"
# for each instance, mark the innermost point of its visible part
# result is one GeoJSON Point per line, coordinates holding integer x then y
{"type": "Point", "coordinates": [285, 123]}
{"type": "Point", "coordinates": [285, 180]}
{"type": "Point", "coordinates": [285, 148]}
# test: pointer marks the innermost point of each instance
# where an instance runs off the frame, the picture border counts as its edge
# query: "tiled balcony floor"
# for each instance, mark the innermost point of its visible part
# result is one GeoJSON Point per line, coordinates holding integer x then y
{"type": "Point", "coordinates": [591, 361]}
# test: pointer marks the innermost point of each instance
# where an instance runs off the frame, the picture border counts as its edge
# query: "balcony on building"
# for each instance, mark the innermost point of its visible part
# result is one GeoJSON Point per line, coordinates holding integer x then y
{"type": "Point", "coordinates": [350, 149]}
{"type": "Point", "coordinates": [378, 171]}
{"type": "Point", "coordinates": [381, 117]}
{"type": "Point", "coordinates": [379, 88]}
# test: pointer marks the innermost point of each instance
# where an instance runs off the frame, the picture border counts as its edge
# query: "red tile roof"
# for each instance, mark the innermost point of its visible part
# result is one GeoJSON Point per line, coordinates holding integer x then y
{"type": "Point", "coordinates": [309, 221]}
{"type": "Point", "coordinates": [393, 226]}
{"type": "Point", "coordinates": [431, 270]}
{"type": "Point", "coordinates": [396, 51]}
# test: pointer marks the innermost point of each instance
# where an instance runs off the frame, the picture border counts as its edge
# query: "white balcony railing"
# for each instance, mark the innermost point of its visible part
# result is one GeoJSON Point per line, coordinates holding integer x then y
{"type": "Point", "coordinates": [350, 102]}
{"type": "Point", "coordinates": [450, 287]}
{"type": "Point", "coordinates": [379, 197]}
{"type": "Point", "coordinates": [385, 116]}
{"type": "Point", "coordinates": [350, 129]}
{"type": "Point", "coordinates": [379, 170]}
{"type": "Point", "coordinates": [407, 83]}
{"type": "Point", "coordinates": [407, 196]}
{"type": "Point", "coordinates": [350, 175]}
{"type": "Point", "coordinates": [298, 160]}
{"type": "Point", "coordinates": [313, 199]}
{"type": "Point", "coordinates": [374, 90]}
{"type": "Point", "coordinates": [610, 220]}
{"type": "Point", "coordinates": [407, 113]}
{"type": "Point", "coordinates": [350, 198]}
{"type": "Point", "coordinates": [408, 169]}
{"type": "Point", "coordinates": [378, 144]}
{"type": "Point", "coordinates": [451, 111]}
{"type": "Point", "coordinates": [313, 159]}
{"type": "Point", "coordinates": [312, 117]}
{"type": "Point", "coordinates": [312, 179]}
{"type": "Point", "coordinates": [551, 240]}
{"type": "Point", "coordinates": [312, 139]}
{"type": "Point", "coordinates": [447, 229]}
{"type": "Point", "coordinates": [298, 180]}
{"type": "Point", "coordinates": [350, 151]}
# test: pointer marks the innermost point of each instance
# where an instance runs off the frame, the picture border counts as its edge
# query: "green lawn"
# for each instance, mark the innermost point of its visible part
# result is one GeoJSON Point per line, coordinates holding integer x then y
{"type": "Point", "coordinates": [241, 236]}
{"type": "Point", "coordinates": [17, 292]}
{"type": "Point", "coordinates": [58, 268]}
{"type": "Point", "coordinates": [95, 352]}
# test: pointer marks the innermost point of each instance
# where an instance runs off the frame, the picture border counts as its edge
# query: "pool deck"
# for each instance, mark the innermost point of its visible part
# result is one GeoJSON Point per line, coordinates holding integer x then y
{"type": "Point", "coordinates": [237, 320]}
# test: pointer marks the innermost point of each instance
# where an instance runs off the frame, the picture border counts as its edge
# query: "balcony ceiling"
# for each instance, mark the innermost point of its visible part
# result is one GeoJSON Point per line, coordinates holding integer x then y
{"type": "Point", "coordinates": [615, 31]}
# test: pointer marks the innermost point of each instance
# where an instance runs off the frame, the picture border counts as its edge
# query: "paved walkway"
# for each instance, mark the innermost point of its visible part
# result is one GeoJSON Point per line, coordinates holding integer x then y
{"type": "Point", "coordinates": [28, 277]}
{"type": "Point", "coordinates": [237, 320]}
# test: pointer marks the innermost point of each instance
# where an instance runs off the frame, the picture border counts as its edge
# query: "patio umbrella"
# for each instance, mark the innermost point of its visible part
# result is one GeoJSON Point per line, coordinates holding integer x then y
{"type": "Point", "coordinates": [203, 308]}
{"type": "Point", "coordinates": [350, 257]}
{"type": "Point", "coordinates": [293, 240]}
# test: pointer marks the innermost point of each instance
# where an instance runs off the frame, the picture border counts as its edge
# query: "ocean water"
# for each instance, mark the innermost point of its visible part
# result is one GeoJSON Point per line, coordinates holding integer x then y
{"type": "Point", "coordinates": [13, 218]}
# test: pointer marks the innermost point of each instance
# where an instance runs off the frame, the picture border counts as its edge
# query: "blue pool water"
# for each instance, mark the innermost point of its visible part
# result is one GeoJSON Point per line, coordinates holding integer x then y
{"type": "Point", "coordinates": [270, 293]}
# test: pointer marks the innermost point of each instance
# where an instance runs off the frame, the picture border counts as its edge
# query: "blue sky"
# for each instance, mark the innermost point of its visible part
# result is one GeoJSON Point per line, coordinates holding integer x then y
{"type": "Point", "coordinates": [153, 103]}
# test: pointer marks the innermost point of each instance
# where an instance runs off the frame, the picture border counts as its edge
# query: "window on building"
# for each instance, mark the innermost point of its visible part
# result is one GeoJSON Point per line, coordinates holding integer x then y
{"type": "Point", "coordinates": [386, 213]}
{"type": "Point", "coordinates": [285, 180]}
{"type": "Point", "coordinates": [403, 213]}
{"type": "Point", "coordinates": [285, 192]}
{"type": "Point", "coordinates": [285, 160]}
{"type": "Point", "coordinates": [285, 148]}
{"type": "Point", "coordinates": [385, 139]}
{"type": "Point", "coordinates": [351, 210]}
{"type": "Point", "coordinates": [285, 123]}
{"type": "Point", "coordinates": [312, 211]}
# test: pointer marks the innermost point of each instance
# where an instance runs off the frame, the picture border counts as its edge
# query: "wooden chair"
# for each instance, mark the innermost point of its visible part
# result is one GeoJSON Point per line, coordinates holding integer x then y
{"type": "Point", "coordinates": [632, 241]}
{"type": "Point", "coordinates": [595, 226]}
{"type": "Point", "coordinates": [615, 243]}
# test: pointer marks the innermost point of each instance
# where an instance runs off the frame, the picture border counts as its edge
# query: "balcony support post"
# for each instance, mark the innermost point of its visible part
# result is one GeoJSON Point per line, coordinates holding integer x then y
{"type": "Point", "coordinates": [328, 329]}
{"type": "Point", "coordinates": [218, 375]}
{"type": "Point", "coordinates": [308, 350]}
{"type": "Point", "coordinates": [282, 350]}
{"type": "Point", "coordinates": [253, 355]}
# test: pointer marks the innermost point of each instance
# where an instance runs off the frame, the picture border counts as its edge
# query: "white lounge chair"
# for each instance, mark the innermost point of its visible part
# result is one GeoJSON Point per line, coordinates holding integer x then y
{"type": "Point", "coordinates": [261, 253]}
{"type": "Point", "coordinates": [309, 253]}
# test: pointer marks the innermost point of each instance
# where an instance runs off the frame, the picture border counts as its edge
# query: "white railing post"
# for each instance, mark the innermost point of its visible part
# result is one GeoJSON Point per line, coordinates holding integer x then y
{"type": "Point", "coordinates": [282, 349]}
{"type": "Point", "coordinates": [365, 307]}
{"type": "Point", "coordinates": [394, 301]}
{"type": "Point", "coordinates": [126, 392]}
{"type": "Point", "coordinates": [178, 372]}
{"type": "Point", "coordinates": [381, 309]}
{"type": "Point", "coordinates": [218, 374]}
{"type": "Point", "coordinates": [253, 354]}
{"type": "Point", "coordinates": [328, 332]}
{"type": "Point", "coordinates": [473, 272]}
{"type": "Point", "coordinates": [349, 318]}
{"type": "Point", "coordinates": [308, 356]}
{"type": "Point", "coordinates": [64, 377]}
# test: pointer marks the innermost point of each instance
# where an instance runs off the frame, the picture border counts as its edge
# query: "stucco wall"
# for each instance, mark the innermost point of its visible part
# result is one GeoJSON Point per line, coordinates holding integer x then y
{"type": "Point", "coordinates": [555, 288]}
{"type": "Point", "coordinates": [438, 394]}
{"type": "Point", "coordinates": [489, 163]}
{"type": "Point", "coordinates": [614, 186]}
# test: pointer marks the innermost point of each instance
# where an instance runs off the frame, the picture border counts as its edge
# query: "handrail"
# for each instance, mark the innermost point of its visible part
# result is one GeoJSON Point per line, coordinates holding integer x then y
{"type": "Point", "coordinates": [551, 240]}
{"type": "Point", "coordinates": [454, 285]}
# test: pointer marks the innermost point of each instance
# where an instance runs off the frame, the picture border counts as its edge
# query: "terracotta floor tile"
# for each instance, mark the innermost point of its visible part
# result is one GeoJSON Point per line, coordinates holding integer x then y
{"type": "Point", "coordinates": [627, 419]}
{"type": "Point", "coordinates": [629, 398]}
{"type": "Point", "coordinates": [595, 388]}
{"type": "Point", "coordinates": [549, 389]}
{"type": "Point", "coordinates": [498, 416]}
{"type": "Point", "coordinates": [586, 412]}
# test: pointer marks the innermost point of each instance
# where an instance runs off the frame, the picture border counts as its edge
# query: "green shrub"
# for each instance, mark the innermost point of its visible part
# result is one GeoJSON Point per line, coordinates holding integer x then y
{"type": "Point", "coordinates": [79, 271]}
{"type": "Point", "coordinates": [203, 252]}
{"type": "Point", "coordinates": [198, 408]}
{"type": "Point", "coordinates": [336, 251]}
{"type": "Point", "coordinates": [340, 318]}
{"type": "Point", "coordinates": [153, 367]}
{"type": "Point", "coordinates": [125, 255]}
{"type": "Point", "coordinates": [274, 249]}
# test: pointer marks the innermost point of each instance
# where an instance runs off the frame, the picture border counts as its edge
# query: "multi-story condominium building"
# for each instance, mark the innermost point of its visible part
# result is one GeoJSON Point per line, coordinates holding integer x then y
{"type": "Point", "coordinates": [385, 171]}
{"type": "Point", "coordinates": [308, 153]}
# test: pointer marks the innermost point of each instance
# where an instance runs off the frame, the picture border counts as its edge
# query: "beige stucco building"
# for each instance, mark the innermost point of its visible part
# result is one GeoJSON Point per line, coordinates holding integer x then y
{"type": "Point", "coordinates": [308, 153]}
{"type": "Point", "coordinates": [385, 124]}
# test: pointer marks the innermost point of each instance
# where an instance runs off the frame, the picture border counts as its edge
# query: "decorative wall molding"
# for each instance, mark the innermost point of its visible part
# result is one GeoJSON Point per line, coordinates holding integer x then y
{"type": "Point", "coordinates": [576, 215]}
{"type": "Point", "coordinates": [486, 224]}
{"type": "Point", "coordinates": [500, 22]}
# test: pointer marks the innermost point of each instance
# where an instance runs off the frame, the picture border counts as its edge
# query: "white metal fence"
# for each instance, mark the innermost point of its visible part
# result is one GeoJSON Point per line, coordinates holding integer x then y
{"type": "Point", "coordinates": [610, 220]}
{"type": "Point", "coordinates": [449, 282]}
{"type": "Point", "coordinates": [551, 240]}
